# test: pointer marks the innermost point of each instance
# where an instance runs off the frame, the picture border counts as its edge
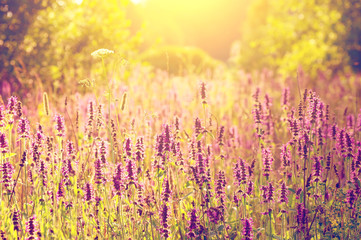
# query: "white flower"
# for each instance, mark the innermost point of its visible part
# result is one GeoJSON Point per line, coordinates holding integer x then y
{"type": "Point", "coordinates": [101, 53]}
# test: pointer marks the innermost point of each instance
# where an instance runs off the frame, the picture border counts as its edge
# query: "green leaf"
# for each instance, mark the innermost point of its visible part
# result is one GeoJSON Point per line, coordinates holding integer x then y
{"type": "Point", "coordinates": [199, 137]}
{"type": "Point", "coordinates": [186, 196]}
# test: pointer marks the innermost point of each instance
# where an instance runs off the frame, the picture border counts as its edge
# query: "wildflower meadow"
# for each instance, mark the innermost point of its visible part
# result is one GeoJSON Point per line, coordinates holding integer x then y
{"type": "Point", "coordinates": [170, 158]}
{"type": "Point", "coordinates": [180, 120]}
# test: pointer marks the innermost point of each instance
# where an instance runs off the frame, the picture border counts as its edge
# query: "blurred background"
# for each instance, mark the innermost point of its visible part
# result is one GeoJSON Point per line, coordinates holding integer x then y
{"type": "Point", "coordinates": [45, 45]}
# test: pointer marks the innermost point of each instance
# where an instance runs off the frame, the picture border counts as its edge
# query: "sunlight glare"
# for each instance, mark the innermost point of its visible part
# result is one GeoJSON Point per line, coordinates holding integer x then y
{"type": "Point", "coordinates": [138, 1]}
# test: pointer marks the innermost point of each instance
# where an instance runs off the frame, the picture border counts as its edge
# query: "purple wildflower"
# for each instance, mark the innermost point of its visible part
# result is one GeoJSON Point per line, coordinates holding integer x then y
{"type": "Point", "coordinates": [89, 192]}
{"type": "Point", "coordinates": [240, 171]}
{"type": "Point", "coordinates": [248, 229]}
{"type": "Point", "coordinates": [164, 217]}
{"type": "Point", "coordinates": [220, 136]}
{"type": "Point", "coordinates": [32, 228]}
{"type": "Point", "coordinates": [167, 138]}
{"type": "Point", "coordinates": [2, 116]}
{"type": "Point", "coordinates": [7, 170]}
{"type": "Point", "coordinates": [159, 146]}
{"type": "Point", "coordinates": [59, 125]}
{"type": "Point", "coordinates": [99, 175]}
{"type": "Point", "coordinates": [317, 169]}
{"type": "Point", "coordinates": [203, 93]}
{"type": "Point", "coordinates": [220, 191]}
{"type": "Point", "coordinates": [89, 127]}
{"type": "Point", "coordinates": [118, 179]}
{"type": "Point", "coordinates": [23, 128]}
{"type": "Point", "coordinates": [283, 193]}
{"type": "Point", "coordinates": [214, 214]}
{"type": "Point", "coordinates": [285, 156]}
{"type": "Point", "coordinates": [267, 161]}
{"type": "Point", "coordinates": [250, 188]}
{"type": "Point", "coordinates": [285, 98]}
{"type": "Point", "coordinates": [43, 173]}
{"type": "Point", "coordinates": [11, 107]}
{"type": "Point", "coordinates": [70, 149]}
{"type": "Point", "coordinates": [166, 193]}
{"type": "Point", "coordinates": [139, 150]}
{"type": "Point", "coordinates": [131, 172]}
{"type": "Point", "coordinates": [4, 146]}
{"type": "Point", "coordinates": [193, 224]}
{"type": "Point", "coordinates": [16, 221]}
{"type": "Point", "coordinates": [19, 109]}
{"type": "Point", "coordinates": [128, 147]}
{"type": "Point", "coordinates": [351, 197]}
{"type": "Point", "coordinates": [61, 192]}
{"type": "Point", "coordinates": [197, 127]}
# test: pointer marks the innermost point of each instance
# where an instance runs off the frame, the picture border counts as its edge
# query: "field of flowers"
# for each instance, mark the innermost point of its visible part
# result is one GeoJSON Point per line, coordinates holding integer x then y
{"type": "Point", "coordinates": [222, 156]}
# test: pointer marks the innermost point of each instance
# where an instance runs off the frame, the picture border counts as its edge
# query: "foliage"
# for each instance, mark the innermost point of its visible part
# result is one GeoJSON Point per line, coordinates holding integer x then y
{"type": "Point", "coordinates": [282, 35]}
{"type": "Point", "coordinates": [351, 41]}
{"type": "Point", "coordinates": [179, 60]}
{"type": "Point", "coordinates": [57, 45]}
{"type": "Point", "coordinates": [16, 16]}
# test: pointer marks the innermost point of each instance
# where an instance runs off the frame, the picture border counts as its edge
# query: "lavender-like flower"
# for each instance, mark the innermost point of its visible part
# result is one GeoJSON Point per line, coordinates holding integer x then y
{"type": "Point", "coordinates": [99, 176]}
{"type": "Point", "coordinates": [220, 136]}
{"type": "Point", "coordinates": [16, 221]}
{"type": "Point", "coordinates": [139, 150]}
{"type": "Point", "coordinates": [267, 161]}
{"type": "Point", "coordinates": [2, 116]}
{"type": "Point", "coordinates": [7, 170]}
{"type": "Point", "coordinates": [118, 180]}
{"type": "Point", "coordinates": [89, 192]}
{"type": "Point", "coordinates": [283, 193]}
{"type": "Point", "coordinates": [214, 214]}
{"type": "Point", "coordinates": [131, 172]}
{"type": "Point", "coordinates": [250, 188]}
{"type": "Point", "coordinates": [89, 126]}
{"type": "Point", "coordinates": [164, 216]}
{"type": "Point", "coordinates": [285, 156]}
{"type": "Point", "coordinates": [220, 191]}
{"type": "Point", "coordinates": [166, 193]}
{"type": "Point", "coordinates": [103, 151]}
{"type": "Point", "coordinates": [19, 109]}
{"type": "Point", "coordinates": [61, 192]}
{"type": "Point", "coordinates": [167, 138]}
{"type": "Point", "coordinates": [59, 125]}
{"type": "Point", "coordinates": [11, 107]}
{"type": "Point", "coordinates": [70, 149]}
{"type": "Point", "coordinates": [99, 120]}
{"type": "Point", "coordinates": [32, 228]}
{"type": "Point", "coordinates": [317, 169]}
{"type": "Point", "coordinates": [128, 147]}
{"type": "Point", "coordinates": [301, 218]}
{"type": "Point", "coordinates": [4, 146]}
{"type": "Point", "coordinates": [159, 146]}
{"type": "Point", "coordinates": [285, 98]}
{"type": "Point", "coordinates": [240, 171]}
{"type": "Point", "coordinates": [23, 128]}
{"type": "Point", "coordinates": [197, 127]}
{"type": "Point", "coordinates": [247, 229]}
{"type": "Point", "coordinates": [203, 92]}
{"type": "Point", "coordinates": [43, 173]}
{"type": "Point", "coordinates": [320, 137]}
{"type": "Point", "coordinates": [193, 224]}
{"type": "Point", "coordinates": [351, 197]}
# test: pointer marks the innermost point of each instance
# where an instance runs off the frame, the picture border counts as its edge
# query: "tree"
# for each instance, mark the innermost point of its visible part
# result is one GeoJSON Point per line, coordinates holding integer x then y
{"type": "Point", "coordinates": [16, 16]}
{"type": "Point", "coordinates": [55, 51]}
{"type": "Point", "coordinates": [284, 34]}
